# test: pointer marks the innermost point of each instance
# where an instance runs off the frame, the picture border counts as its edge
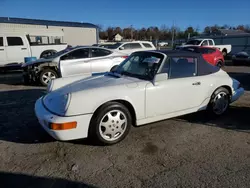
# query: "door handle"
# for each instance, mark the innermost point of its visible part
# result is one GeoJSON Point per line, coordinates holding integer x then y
{"type": "Point", "coordinates": [196, 83]}
{"type": "Point", "coordinates": [23, 48]}
{"type": "Point", "coordinates": [1, 49]}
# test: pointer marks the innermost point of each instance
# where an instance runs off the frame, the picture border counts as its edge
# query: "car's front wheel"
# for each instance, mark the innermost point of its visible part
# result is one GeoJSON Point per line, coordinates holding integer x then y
{"type": "Point", "coordinates": [110, 124]}
{"type": "Point", "coordinates": [219, 102]}
{"type": "Point", "coordinates": [46, 76]}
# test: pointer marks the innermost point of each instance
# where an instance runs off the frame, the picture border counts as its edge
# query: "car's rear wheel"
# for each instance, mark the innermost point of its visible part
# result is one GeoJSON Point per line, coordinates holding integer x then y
{"type": "Point", "coordinates": [110, 124]}
{"type": "Point", "coordinates": [220, 64]}
{"type": "Point", "coordinates": [46, 76]}
{"type": "Point", "coordinates": [219, 102]}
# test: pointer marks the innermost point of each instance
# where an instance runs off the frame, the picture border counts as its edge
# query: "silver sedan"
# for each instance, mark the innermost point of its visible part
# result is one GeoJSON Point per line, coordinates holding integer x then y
{"type": "Point", "coordinates": [72, 61]}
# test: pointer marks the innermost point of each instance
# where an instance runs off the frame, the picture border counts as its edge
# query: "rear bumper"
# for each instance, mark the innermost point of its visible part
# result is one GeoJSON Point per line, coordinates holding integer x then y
{"type": "Point", "coordinates": [237, 94]}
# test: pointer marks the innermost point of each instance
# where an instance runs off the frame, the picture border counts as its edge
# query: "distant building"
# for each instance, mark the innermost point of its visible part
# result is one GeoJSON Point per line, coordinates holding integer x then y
{"type": "Point", "coordinates": [72, 33]}
{"type": "Point", "coordinates": [118, 37]}
{"type": "Point", "coordinates": [230, 32]}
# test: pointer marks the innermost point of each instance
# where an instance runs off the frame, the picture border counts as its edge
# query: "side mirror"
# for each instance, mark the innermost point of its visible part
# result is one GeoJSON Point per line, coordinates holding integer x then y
{"type": "Point", "coordinates": [121, 48]}
{"type": "Point", "coordinates": [160, 77]}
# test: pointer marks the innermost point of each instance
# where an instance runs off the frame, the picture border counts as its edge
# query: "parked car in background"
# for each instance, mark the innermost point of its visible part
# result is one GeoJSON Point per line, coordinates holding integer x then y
{"type": "Point", "coordinates": [14, 48]}
{"type": "Point", "coordinates": [130, 47]}
{"type": "Point", "coordinates": [241, 57]}
{"type": "Point", "coordinates": [225, 49]}
{"type": "Point", "coordinates": [72, 61]}
{"type": "Point", "coordinates": [161, 44]}
{"type": "Point", "coordinates": [147, 87]}
{"type": "Point", "coordinates": [210, 54]}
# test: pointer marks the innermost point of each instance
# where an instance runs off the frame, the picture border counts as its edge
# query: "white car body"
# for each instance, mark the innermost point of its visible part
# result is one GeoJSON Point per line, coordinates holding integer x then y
{"type": "Point", "coordinates": [161, 44]}
{"type": "Point", "coordinates": [210, 42]}
{"type": "Point", "coordinates": [67, 64]}
{"type": "Point", "coordinates": [151, 100]}
{"type": "Point", "coordinates": [130, 47]}
{"type": "Point", "coordinates": [15, 54]}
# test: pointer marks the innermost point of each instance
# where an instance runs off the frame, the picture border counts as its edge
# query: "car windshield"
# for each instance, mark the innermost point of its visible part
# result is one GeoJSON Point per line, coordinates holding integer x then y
{"type": "Point", "coordinates": [142, 65]}
{"type": "Point", "coordinates": [194, 42]}
{"type": "Point", "coordinates": [59, 53]}
{"type": "Point", "coordinates": [114, 46]}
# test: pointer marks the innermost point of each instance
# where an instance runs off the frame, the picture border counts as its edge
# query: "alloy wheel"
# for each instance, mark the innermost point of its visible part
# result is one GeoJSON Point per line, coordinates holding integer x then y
{"type": "Point", "coordinates": [113, 125]}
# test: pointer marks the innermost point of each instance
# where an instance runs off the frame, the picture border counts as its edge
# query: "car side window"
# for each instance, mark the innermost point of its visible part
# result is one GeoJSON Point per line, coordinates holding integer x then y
{"type": "Point", "coordinates": [76, 54]}
{"type": "Point", "coordinates": [14, 41]}
{"type": "Point", "coordinates": [203, 50]}
{"type": "Point", "coordinates": [182, 67]}
{"type": "Point", "coordinates": [146, 45]}
{"type": "Point", "coordinates": [135, 45]}
{"type": "Point", "coordinates": [95, 52]}
{"type": "Point", "coordinates": [1, 41]}
{"type": "Point", "coordinates": [165, 66]}
{"type": "Point", "coordinates": [205, 43]}
{"type": "Point", "coordinates": [126, 46]}
{"type": "Point", "coordinates": [210, 42]}
{"type": "Point", "coordinates": [210, 51]}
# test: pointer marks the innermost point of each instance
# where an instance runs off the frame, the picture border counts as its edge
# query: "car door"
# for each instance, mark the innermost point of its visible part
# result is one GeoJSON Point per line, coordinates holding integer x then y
{"type": "Point", "coordinates": [2, 51]}
{"type": "Point", "coordinates": [75, 62]}
{"type": "Point", "coordinates": [16, 49]}
{"type": "Point", "coordinates": [101, 61]}
{"type": "Point", "coordinates": [183, 90]}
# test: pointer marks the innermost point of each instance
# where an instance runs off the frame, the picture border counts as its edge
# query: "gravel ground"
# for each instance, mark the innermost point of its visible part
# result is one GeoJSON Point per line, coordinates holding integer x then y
{"type": "Point", "coordinates": [189, 151]}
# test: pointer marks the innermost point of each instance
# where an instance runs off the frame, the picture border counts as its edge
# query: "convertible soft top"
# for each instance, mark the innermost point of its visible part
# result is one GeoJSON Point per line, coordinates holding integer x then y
{"type": "Point", "coordinates": [203, 67]}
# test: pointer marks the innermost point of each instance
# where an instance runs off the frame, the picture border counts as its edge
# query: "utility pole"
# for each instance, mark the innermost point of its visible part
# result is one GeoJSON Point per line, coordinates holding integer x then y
{"type": "Point", "coordinates": [173, 33]}
{"type": "Point", "coordinates": [131, 28]}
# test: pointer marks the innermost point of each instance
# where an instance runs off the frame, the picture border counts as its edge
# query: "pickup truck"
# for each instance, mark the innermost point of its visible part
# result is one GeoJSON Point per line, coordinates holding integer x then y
{"type": "Point", "coordinates": [14, 48]}
{"type": "Point", "coordinates": [225, 49]}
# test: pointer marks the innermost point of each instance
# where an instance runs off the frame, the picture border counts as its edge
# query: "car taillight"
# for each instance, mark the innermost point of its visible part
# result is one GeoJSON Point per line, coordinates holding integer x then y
{"type": "Point", "coordinates": [125, 57]}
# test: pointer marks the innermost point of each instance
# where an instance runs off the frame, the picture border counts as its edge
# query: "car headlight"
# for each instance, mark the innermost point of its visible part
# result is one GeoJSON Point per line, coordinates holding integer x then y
{"type": "Point", "coordinates": [65, 101]}
{"type": "Point", "coordinates": [57, 104]}
{"type": "Point", "coordinates": [50, 86]}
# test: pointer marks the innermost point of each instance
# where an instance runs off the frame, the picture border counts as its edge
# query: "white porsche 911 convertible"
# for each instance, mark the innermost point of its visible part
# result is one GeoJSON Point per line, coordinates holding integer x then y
{"type": "Point", "coordinates": [146, 87]}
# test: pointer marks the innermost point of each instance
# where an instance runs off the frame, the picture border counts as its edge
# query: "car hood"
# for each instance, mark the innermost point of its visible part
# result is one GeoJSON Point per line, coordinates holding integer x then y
{"type": "Point", "coordinates": [95, 82]}
{"type": "Point", "coordinates": [39, 61]}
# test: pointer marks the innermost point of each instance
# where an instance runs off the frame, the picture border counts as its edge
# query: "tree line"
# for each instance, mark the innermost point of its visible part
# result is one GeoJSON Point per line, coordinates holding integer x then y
{"type": "Point", "coordinates": [162, 33]}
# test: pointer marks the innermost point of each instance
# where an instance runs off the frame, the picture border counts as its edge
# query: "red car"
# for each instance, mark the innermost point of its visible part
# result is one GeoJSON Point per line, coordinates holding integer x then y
{"type": "Point", "coordinates": [212, 55]}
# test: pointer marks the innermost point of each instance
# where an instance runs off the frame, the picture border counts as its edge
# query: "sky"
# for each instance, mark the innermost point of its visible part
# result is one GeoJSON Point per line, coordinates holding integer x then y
{"type": "Point", "coordinates": [138, 13]}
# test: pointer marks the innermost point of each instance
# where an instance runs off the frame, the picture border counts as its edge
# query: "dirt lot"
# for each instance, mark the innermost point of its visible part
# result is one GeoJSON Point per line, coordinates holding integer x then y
{"type": "Point", "coordinates": [189, 151]}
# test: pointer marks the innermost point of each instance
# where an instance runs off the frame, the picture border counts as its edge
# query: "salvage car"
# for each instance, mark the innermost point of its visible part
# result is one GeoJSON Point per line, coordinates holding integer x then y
{"type": "Point", "coordinates": [71, 61]}
{"type": "Point", "coordinates": [241, 58]}
{"type": "Point", "coordinates": [210, 54]}
{"type": "Point", "coordinates": [146, 87]}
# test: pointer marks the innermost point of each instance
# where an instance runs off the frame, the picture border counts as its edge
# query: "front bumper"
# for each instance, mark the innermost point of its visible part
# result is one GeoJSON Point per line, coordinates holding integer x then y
{"type": "Point", "coordinates": [237, 94]}
{"type": "Point", "coordinates": [45, 118]}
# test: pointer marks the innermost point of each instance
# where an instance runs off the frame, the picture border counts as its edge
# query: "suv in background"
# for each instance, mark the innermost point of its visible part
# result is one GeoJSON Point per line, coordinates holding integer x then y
{"type": "Point", "coordinates": [130, 47]}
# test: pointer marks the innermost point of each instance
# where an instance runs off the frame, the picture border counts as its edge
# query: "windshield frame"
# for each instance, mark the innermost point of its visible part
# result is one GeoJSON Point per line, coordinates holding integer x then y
{"type": "Point", "coordinates": [119, 69]}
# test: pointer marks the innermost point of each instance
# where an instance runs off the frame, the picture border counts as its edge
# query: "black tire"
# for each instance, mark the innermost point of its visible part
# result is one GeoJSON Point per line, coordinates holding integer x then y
{"type": "Point", "coordinates": [95, 128]}
{"type": "Point", "coordinates": [224, 52]}
{"type": "Point", "coordinates": [47, 53]}
{"type": "Point", "coordinates": [225, 95]}
{"type": "Point", "coordinates": [113, 68]}
{"type": "Point", "coordinates": [47, 72]}
{"type": "Point", "coordinates": [220, 64]}
{"type": "Point", "coordinates": [26, 80]}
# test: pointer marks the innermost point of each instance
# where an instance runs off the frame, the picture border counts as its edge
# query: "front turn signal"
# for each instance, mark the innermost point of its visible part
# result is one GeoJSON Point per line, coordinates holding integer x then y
{"type": "Point", "coordinates": [63, 126]}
